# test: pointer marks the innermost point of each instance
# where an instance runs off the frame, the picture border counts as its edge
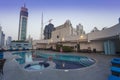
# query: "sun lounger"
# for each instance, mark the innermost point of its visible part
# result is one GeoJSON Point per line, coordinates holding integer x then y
{"type": "Point", "coordinates": [115, 71]}
{"type": "Point", "coordinates": [1, 55]}
{"type": "Point", "coordinates": [116, 62]}
{"type": "Point", "coordinates": [112, 77]}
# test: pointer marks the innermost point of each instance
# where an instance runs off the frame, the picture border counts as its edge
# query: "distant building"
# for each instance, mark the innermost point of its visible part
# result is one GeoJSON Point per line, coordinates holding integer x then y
{"type": "Point", "coordinates": [19, 45]}
{"type": "Point", "coordinates": [23, 24]}
{"type": "Point", "coordinates": [2, 38]}
{"type": "Point", "coordinates": [63, 31]}
{"type": "Point", "coordinates": [48, 31]}
{"type": "Point", "coordinates": [119, 20]}
{"type": "Point", "coordinates": [95, 29]}
{"type": "Point", "coordinates": [30, 39]}
{"type": "Point", "coordinates": [104, 41]}
{"type": "Point", "coordinates": [8, 42]}
{"type": "Point", "coordinates": [79, 29]}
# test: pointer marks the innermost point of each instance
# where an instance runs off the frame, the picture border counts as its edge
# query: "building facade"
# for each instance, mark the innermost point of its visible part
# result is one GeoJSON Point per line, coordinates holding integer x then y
{"type": "Point", "coordinates": [20, 45]}
{"type": "Point", "coordinates": [8, 42]}
{"type": "Point", "coordinates": [104, 41]}
{"type": "Point", "coordinates": [48, 31]}
{"type": "Point", "coordinates": [63, 31]}
{"type": "Point", "coordinates": [23, 24]}
{"type": "Point", "coordinates": [79, 29]}
{"type": "Point", "coordinates": [2, 38]}
{"type": "Point", "coordinates": [30, 39]}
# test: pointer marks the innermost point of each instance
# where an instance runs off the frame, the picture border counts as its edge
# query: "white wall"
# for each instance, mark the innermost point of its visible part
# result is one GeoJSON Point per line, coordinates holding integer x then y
{"type": "Point", "coordinates": [109, 32]}
{"type": "Point", "coordinates": [98, 45]}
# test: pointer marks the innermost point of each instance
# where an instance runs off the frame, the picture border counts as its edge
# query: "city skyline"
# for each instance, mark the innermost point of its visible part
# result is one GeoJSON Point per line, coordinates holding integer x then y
{"type": "Point", "coordinates": [90, 14]}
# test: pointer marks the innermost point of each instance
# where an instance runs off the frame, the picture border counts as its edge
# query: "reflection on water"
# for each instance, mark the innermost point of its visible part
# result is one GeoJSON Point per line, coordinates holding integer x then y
{"type": "Point", "coordinates": [28, 57]}
{"type": "Point", "coordinates": [25, 57]}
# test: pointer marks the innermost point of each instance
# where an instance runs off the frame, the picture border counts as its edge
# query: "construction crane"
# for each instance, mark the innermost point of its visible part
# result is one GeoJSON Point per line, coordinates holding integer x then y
{"type": "Point", "coordinates": [41, 27]}
{"type": "Point", "coordinates": [50, 20]}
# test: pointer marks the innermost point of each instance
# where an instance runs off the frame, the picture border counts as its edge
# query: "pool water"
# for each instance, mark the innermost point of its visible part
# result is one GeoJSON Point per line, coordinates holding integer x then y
{"type": "Point", "coordinates": [62, 61]}
{"type": "Point", "coordinates": [25, 57]}
{"type": "Point", "coordinates": [38, 66]}
{"type": "Point", "coordinates": [61, 64]}
{"type": "Point", "coordinates": [35, 67]}
{"type": "Point", "coordinates": [67, 61]}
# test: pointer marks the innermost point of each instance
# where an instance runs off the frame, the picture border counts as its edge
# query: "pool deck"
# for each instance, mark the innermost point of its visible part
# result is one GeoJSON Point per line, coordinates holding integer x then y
{"type": "Point", "coordinates": [98, 71]}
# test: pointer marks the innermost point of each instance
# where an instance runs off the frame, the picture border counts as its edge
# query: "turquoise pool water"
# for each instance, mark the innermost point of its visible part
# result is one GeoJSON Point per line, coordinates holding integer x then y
{"type": "Point", "coordinates": [83, 60]}
{"type": "Point", "coordinates": [37, 66]}
{"type": "Point", "coordinates": [24, 57]}
{"type": "Point", "coordinates": [62, 61]}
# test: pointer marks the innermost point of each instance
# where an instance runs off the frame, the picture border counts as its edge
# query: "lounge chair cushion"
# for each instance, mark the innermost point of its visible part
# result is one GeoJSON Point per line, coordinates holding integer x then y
{"type": "Point", "coordinates": [112, 77]}
{"type": "Point", "coordinates": [115, 69]}
{"type": "Point", "coordinates": [115, 61]}
{"type": "Point", "coordinates": [1, 55]}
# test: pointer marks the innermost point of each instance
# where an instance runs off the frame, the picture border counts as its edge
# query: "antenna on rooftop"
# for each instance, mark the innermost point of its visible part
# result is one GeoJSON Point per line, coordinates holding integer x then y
{"type": "Point", "coordinates": [41, 25]}
{"type": "Point", "coordinates": [24, 5]}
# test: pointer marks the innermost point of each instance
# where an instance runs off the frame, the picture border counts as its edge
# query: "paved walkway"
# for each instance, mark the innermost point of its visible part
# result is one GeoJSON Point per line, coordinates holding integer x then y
{"type": "Point", "coordinates": [99, 71]}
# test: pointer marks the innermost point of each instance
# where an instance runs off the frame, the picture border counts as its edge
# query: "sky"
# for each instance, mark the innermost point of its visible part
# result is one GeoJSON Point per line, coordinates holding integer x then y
{"type": "Point", "coordinates": [89, 13]}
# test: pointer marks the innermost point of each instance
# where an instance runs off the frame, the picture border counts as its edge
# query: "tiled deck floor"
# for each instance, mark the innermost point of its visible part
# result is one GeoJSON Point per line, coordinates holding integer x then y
{"type": "Point", "coordinates": [99, 71]}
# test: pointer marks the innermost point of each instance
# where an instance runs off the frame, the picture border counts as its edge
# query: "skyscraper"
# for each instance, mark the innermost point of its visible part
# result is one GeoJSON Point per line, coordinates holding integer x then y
{"type": "Point", "coordinates": [23, 23]}
{"type": "Point", "coordinates": [8, 41]}
{"type": "Point", "coordinates": [79, 29]}
{"type": "Point", "coordinates": [2, 38]}
{"type": "Point", "coordinates": [48, 31]}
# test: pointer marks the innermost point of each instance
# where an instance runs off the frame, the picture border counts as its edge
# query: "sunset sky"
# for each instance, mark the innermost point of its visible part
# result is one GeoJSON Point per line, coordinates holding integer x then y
{"type": "Point", "coordinates": [90, 13]}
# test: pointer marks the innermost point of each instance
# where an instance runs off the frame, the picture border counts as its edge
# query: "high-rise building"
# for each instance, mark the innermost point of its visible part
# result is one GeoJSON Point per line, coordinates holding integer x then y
{"type": "Point", "coordinates": [2, 38]}
{"type": "Point", "coordinates": [79, 29]}
{"type": "Point", "coordinates": [8, 41]}
{"type": "Point", "coordinates": [48, 31]}
{"type": "Point", "coordinates": [30, 39]}
{"type": "Point", "coordinates": [23, 23]}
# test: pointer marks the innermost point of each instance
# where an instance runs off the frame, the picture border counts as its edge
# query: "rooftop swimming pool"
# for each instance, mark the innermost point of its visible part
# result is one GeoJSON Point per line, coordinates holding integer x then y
{"type": "Point", "coordinates": [62, 61]}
